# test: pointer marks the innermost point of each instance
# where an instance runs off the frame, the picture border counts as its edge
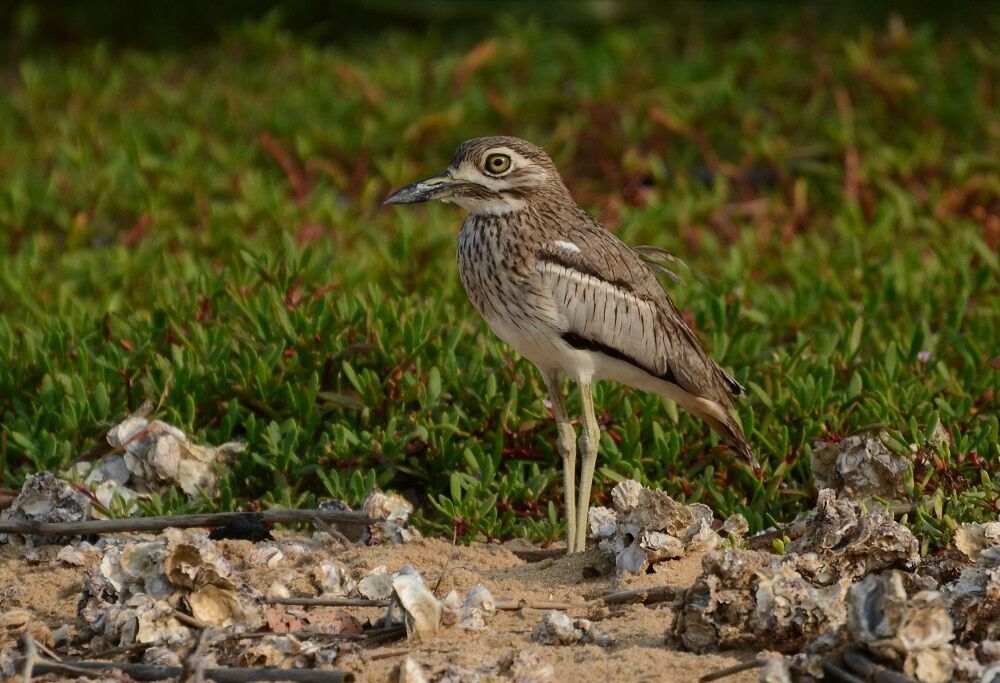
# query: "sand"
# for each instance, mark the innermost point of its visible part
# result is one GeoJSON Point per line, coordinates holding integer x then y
{"type": "Point", "coordinates": [641, 651]}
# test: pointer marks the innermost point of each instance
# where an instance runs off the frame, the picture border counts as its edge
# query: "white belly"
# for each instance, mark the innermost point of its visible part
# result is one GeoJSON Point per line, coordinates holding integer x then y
{"type": "Point", "coordinates": [544, 347]}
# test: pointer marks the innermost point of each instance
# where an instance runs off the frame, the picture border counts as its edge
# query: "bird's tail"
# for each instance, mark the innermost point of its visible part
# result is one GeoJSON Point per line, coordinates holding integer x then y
{"type": "Point", "coordinates": [732, 434]}
{"type": "Point", "coordinates": [715, 413]}
{"type": "Point", "coordinates": [719, 419]}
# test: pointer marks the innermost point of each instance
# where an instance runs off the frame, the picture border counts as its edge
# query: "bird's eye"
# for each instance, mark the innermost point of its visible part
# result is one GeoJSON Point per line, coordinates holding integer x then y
{"type": "Point", "coordinates": [497, 164]}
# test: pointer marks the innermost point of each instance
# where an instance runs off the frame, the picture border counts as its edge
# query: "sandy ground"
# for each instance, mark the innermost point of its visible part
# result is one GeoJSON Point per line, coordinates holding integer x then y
{"type": "Point", "coordinates": [641, 651]}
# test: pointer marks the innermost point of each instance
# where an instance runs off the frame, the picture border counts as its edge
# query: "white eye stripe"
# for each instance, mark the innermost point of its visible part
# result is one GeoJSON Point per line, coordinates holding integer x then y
{"type": "Point", "coordinates": [528, 172]}
{"type": "Point", "coordinates": [568, 246]}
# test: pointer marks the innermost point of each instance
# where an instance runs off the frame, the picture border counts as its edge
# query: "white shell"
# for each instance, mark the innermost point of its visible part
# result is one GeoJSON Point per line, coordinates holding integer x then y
{"type": "Point", "coordinates": [376, 584]}
{"type": "Point", "coordinates": [972, 539]}
{"type": "Point", "coordinates": [850, 543]}
{"type": "Point", "coordinates": [556, 628]}
{"type": "Point", "coordinates": [266, 555]}
{"type": "Point", "coordinates": [860, 466]}
{"type": "Point", "coordinates": [333, 579]}
{"type": "Point", "coordinates": [422, 610]}
{"type": "Point", "coordinates": [647, 526]}
{"type": "Point", "coordinates": [164, 455]}
{"type": "Point", "coordinates": [916, 630]}
{"type": "Point", "coordinates": [391, 511]}
{"type": "Point", "coordinates": [477, 606]}
{"type": "Point", "coordinates": [278, 590]}
{"type": "Point", "coordinates": [46, 498]}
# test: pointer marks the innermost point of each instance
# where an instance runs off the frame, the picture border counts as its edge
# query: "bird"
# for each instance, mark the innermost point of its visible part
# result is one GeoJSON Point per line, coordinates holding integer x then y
{"type": "Point", "coordinates": [571, 297]}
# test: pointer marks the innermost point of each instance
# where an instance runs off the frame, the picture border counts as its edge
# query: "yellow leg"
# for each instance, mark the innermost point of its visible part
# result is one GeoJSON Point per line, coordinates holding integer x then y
{"type": "Point", "coordinates": [590, 438]}
{"type": "Point", "coordinates": [566, 445]}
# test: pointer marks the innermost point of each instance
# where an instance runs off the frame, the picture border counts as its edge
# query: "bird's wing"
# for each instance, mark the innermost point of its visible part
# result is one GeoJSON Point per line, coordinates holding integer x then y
{"type": "Point", "coordinates": [608, 300]}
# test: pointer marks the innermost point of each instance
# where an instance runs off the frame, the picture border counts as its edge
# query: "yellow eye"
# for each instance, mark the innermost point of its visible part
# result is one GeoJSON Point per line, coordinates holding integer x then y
{"type": "Point", "coordinates": [497, 164]}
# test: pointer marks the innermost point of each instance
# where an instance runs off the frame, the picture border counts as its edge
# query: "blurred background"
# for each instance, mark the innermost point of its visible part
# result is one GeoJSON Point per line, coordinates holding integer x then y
{"type": "Point", "coordinates": [190, 211]}
{"type": "Point", "coordinates": [41, 24]}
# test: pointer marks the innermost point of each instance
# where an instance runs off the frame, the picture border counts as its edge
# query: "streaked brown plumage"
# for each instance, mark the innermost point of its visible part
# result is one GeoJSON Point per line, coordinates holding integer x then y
{"type": "Point", "coordinates": [566, 293]}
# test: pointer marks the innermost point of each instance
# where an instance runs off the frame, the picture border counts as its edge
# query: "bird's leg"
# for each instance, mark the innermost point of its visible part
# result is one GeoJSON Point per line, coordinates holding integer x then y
{"type": "Point", "coordinates": [566, 444]}
{"type": "Point", "coordinates": [590, 437]}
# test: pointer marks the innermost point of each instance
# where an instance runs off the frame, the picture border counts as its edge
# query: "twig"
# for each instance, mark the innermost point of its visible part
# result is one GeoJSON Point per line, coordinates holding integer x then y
{"type": "Point", "coordinates": [872, 671]}
{"type": "Point", "coordinates": [902, 509]}
{"type": "Point", "coordinates": [327, 602]}
{"type": "Point", "coordinates": [387, 655]}
{"type": "Point", "coordinates": [839, 674]}
{"type": "Point", "coordinates": [111, 526]}
{"type": "Point", "coordinates": [148, 672]}
{"type": "Point", "coordinates": [734, 669]}
{"type": "Point", "coordinates": [301, 635]}
{"type": "Point", "coordinates": [332, 531]}
{"type": "Point", "coordinates": [102, 449]}
{"type": "Point", "coordinates": [30, 656]}
{"type": "Point", "coordinates": [447, 564]}
{"type": "Point", "coordinates": [542, 604]}
{"type": "Point", "coordinates": [61, 667]}
{"type": "Point", "coordinates": [386, 634]}
{"type": "Point", "coordinates": [298, 635]}
{"type": "Point", "coordinates": [47, 650]}
{"type": "Point", "coordinates": [195, 663]}
{"type": "Point", "coordinates": [189, 620]}
{"type": "Point", "coordinates": [646, 596]}
{"type": "Point", "coordinates": [124, 649]}
{"type": "Point", "coordinates": [7, 497]}
{"type": "Point", "coordinates": [389, 620]}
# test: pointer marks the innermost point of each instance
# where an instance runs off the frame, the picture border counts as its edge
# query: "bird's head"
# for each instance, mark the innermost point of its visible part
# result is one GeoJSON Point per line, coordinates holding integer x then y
{"type": "Point", "coordinates": [493, 175]}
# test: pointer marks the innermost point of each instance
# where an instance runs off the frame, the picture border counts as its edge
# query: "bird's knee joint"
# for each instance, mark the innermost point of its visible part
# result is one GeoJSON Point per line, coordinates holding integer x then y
{"type": "Point", "coordinates": [567, 449]}
{"type": "Point", "coordinates": [565, 440]}
{"type": "Point", "coordinates": [588, 446]}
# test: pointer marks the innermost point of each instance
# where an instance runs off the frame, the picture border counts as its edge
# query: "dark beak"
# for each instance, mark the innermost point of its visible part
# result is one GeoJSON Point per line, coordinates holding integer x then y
{"type": "Point", "coordinates": [436, 187]}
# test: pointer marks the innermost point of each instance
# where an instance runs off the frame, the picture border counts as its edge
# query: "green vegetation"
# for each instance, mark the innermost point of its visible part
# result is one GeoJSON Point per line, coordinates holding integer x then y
{"type": "Point", "coordinates": [206, 226]}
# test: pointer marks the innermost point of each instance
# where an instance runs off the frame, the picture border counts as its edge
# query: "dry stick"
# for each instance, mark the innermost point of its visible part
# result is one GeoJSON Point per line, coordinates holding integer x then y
{"type": "Point", "coordinates": [542, 604]}
{"type": "Point", "coordinates": [299, 635]}
{"type": "Point", "coordinates": [872, 671]}
{"type": "Point", "coordinates": [194, 664]}
{"type": "Point", "coordinates": [189, 620]}
{"type": "Point", "coordinates": [333, 532]}
{"type": "Point", "coordinates": [646, 596]}
{"type": "Point", "coordinates": [61, 667]}
{"type": "Point", "coordinates": [112, 526]}
{"type": "Point", "coordinates": [101, 654]}
{"type": "Point", "coordinates": [839, 674]}
{"type": "Point", "coordinates": [327, 602]}
{"type": "Point", "coordinates": [30, 656]}
{"type": "Point", "coordinates": [388, 654]}
{"type": "Point", "coordinates": [730, 670]}
{"type": "Point", "coordinates": [7, 497]}
{"type": "Point", "coordinates": [102, 449]}
{"type": "Point", "coordinates": [47, 650]}
{"type": "Point", "coordinates": [388, 621]}
{"type": "Point", "coordinates": [148, 672]}
{"type": "Point", "coordinates": [388, 633]}
{"type": "Point", "coordinates": [367, 635]}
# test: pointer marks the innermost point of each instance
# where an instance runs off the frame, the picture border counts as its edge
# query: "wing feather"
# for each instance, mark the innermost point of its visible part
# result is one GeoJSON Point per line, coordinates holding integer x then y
{"type": "Point", "coordinates": [608, 299]}
{"type": "Point", "coordinates": [603, 316]}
